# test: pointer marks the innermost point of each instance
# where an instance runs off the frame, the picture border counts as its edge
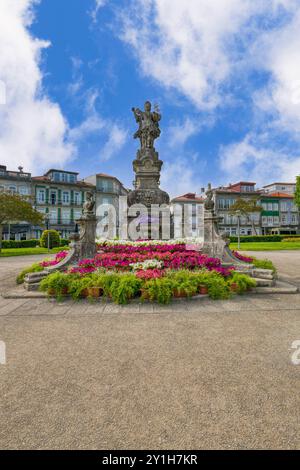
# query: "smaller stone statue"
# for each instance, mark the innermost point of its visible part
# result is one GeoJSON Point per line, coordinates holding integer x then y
{"type": "Point", "coordinates": [88, 206]}
{"type": "Point", "coordinates": [148, 125]}
{"type": "Point", "coordinates": [209, 203]}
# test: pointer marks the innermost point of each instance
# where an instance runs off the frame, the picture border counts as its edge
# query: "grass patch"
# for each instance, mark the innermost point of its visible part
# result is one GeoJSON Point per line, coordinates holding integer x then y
{"type": "Point", "coordinates": [29, 251]}
{"type": "Point", "coordinates": [267, 246]}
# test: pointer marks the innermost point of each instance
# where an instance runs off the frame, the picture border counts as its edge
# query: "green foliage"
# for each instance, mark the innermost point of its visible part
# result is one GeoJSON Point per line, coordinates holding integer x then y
{"type": "Point", "coordinates": [159, 289]}
{"type": "Point", "coordinates": [35, 268]}
{"type": "Point", "coordinates": [297, 192]}
{"type": "Point", "coordinates": [262, 238]}
{"type": "Point", "coordinates": [54, 239]}
{"type": "Point", "coordinates": [20, 243]}
{"type": "Point", "coordinates": [124, 288]}
{"type": "Point", "coordinates": [242, 281]}
{"type": "Point", "coordinates": [16, 208]}
{"type": "Point", "coordinates": [56, 283]}
{"type": "Point", "coordinates": [264, 264]}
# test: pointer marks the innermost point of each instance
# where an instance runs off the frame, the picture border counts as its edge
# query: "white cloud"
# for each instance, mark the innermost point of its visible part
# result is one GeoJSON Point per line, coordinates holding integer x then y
{"type": "Point", "coordinates": [180, 132]}
{"type": "Point", "coordinates": [116, 140]}
{"type": "Point", "coordinates": [178, 177]}
{"type": "Point", "coordinates": [250, 159]}
{"type": "Point", "coordinates": [94, 12]}
{"type": "Point", "coordinates": [33, 129]}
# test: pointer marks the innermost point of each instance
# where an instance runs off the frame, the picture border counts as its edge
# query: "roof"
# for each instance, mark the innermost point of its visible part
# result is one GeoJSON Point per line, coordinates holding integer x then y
{"type": "Point", "coordinates": [189, 197]}
{"type": "Point", "coordinates": [46, 179]}
{"type": "Point", "coordinates": [236, 191]}
{"type": "Point", "coordinates": [280, 195]}
{"type": "Point", "coordinates": [247, 183]}
{"type": "Point", "coordinates": [272, 184]}
{"type": "Point", "coordinates": [104, 175]}
{"type": "Point", "coordinates": [61, 171]}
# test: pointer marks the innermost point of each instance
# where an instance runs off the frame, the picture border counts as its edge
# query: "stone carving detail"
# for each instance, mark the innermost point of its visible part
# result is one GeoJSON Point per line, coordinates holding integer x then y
{"type": "Point", "coordinates": [88, 206]}
{"type": "Point", "coordinates": [148, 125]}
{"type": "Point", "coordinates": [209, 202]}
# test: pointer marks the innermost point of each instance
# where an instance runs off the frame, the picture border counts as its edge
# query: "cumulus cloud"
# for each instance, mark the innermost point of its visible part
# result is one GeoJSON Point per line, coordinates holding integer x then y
{"type": "Point", "coordinates": [94, 12]}
{"type": "Point", "coordinates": [33, 129]}
{"type": "Point", "coordinates": [252, 159]}
{"type": "Point", "coordinates": [34, 132]}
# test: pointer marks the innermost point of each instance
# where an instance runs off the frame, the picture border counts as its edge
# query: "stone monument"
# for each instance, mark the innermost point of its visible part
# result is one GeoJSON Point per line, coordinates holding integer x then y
{"type": "Point", "coordinates": [215, 245]}
{"type": "Point", "coordinates": [147, 165]}
{"type": "Point", "coordinates": [82, 246]}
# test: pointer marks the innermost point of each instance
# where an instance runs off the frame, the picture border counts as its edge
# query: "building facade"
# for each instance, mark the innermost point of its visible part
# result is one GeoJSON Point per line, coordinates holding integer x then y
{"type": "Point", "coordinates": [225, 197]}
{"type": "Point", "coordinates": [59, 195]}
{"type": "Point", "coordinates": [108, 190]}
{"type": "Point", "coordinates": [187, 211]}
{"type": "Point", "coordinates": [280, 214]}
{"type": "Point", "coordinates": [21, 183]}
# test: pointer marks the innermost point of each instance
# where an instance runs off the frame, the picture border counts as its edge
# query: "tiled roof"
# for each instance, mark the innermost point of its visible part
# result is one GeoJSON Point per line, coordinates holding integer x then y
{"type": "Point", "coordinates": [46, 179]}
{"type": "Point", "coordinates": [189, 197]}
{"type": "Point", "coordinates": [282, 195]}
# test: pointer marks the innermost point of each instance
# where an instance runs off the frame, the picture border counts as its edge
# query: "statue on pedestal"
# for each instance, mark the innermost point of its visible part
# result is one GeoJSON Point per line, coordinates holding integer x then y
{"type": "Point", "coordinates": [148, 125]}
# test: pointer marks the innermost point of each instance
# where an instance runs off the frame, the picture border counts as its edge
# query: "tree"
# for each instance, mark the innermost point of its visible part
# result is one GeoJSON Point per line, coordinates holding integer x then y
{"type": "Point", "coordinates": [50, 239]}
{"type": "Point", "coordinates": [17, 208]}
{"type": "Point", "coordinates": [244, 208]}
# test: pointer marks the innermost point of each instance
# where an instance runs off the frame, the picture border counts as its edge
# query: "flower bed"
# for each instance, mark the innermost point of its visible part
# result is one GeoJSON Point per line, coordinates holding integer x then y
{"type": "Point", "coordinates": [37, 267]}
{"type": "Point", "coordinates": [153, 271]}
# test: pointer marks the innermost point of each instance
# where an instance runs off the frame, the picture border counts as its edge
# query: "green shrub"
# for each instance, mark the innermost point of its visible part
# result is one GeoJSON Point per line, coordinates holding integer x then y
{"type": "Point", "coordinates": [264, 264]}
{"type": "Point", "coordinates": [35, 268]}
{"type": "Point", "coordinates": [64, 242]}
{"type": "Point", "coordinates": [54, 239]}
{"type": "Point", "coordinates": [262, 238]}
{"type": "Point", "coordinates": [243, 282]}
{"type": "Point", "coordinates": [56, 283]}
{"type": "Point", "coordinates": [20, 243]}
{"type": "Point", "coordinates": [293, 239]}
{"type": "Point", "coordinates": [159, 289]}
{"type": "Point", "coordinates": [124, 288]}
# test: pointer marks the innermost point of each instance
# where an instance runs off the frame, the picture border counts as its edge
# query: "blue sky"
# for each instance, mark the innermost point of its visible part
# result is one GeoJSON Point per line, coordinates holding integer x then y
{"type": "Point", "coordinates": [225, 74]}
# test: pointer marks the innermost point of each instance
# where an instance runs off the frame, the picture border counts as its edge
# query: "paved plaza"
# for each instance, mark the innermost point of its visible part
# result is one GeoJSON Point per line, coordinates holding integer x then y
{"type": "Point", "coordinates": [194, 374]}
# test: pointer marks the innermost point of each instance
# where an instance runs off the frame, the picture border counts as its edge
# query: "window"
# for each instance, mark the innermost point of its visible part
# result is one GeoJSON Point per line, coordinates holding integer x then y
{"type": "Point", "coordinates": [53, 198]}
{"type": "Point", "coordinates": [270, 206]}
{"type": "Point", "coordinates": [294, 219]}
{"type": "Point", "coordinates": [275, 206]}
{"type": "Point", "coordinates": [41, 196]}
{"type": "Point", "coordinates": [66, 197]}
{"type": "Point", "coordinates": [276, 220]}
{"type": "Point", "coordinates": [284, 206]}
{"type": "Point", "coordinates": [66, 216]}
{"type": "Point", "coordinates": [77, 199]}
{"type": "Point", "coordinates": [23, 190]}
{"type": "Point", "coordinates": [12, 189]}
{"type": "Point", "coordinates": [283, 219]}
{"type": "Point", "coordinates": [72, 178]}
{"type": "Point", "coordinates": [77, 214]}
{"type": "Point", "coordinates": [53, 216]}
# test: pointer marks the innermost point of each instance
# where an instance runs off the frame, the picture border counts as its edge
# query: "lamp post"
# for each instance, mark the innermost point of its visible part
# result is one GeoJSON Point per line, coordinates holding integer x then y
{"type": "Point", "coordinates": [47, 220]}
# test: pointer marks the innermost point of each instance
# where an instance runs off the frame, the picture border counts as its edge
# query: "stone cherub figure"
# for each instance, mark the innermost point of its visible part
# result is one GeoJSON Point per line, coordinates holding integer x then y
{"type": "Point", "coordinates": [88, 206]}
{"type": "Point", "coordinates": [148, 125]}
{"type": "Point", "coordinates": [209, 202]}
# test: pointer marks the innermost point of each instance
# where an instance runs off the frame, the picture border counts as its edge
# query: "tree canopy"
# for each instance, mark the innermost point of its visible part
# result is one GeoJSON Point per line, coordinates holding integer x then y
{"type": "Point", "coordinates": [17, 208]}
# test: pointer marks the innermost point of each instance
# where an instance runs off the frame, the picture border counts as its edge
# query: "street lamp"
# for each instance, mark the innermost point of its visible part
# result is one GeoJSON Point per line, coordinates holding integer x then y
{"type": "Point", "coordinates": [47, 221]}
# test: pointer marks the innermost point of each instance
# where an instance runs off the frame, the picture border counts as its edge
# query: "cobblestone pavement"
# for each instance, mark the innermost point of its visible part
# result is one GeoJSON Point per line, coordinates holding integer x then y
{"type": "Point", "coordinates": [197, 374]}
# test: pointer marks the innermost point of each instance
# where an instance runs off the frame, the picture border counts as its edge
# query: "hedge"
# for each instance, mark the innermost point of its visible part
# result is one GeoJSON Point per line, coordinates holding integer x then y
{"type": "Point", "coordinates": [20, 243]}
{"type": "Point", "coordinates": [261, 238]}
{"type": "Point", "coordinates": [28, 243]}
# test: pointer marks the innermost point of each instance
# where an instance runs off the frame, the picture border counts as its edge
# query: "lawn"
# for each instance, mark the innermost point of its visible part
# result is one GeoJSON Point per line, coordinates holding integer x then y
{"type": "Point", "coordinates": [28, 251]}
{"type": "Point", "coordinates": [267, 246]}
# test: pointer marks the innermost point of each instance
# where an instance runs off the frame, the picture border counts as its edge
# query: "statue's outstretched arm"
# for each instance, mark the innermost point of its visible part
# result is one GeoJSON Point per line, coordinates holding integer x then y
{"type": "Point", "coordinates": [156, 116]}
{"type": "Point", "coordinates": [137, 114]}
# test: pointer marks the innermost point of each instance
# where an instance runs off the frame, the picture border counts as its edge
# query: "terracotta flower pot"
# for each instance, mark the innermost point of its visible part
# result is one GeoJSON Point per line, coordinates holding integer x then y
{"type": "Point", "coordinates": [203, 290]}
{"type": "Point", "coordinates": [234, 287]}
{"type": "Point", "coordinates": [145, 294]}
{"type": "Point", "coordinates": [84, 293]}
{"type": "Point", "coordinates": [179, 293]}
{"type": "Point", "coordinates": [95, 292]}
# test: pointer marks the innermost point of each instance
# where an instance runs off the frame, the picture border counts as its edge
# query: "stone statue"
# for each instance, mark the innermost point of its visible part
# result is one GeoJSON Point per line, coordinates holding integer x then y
{"type": "Point", "coordinates": [209, 203]}
{"type": "Point", "coordinates": [148, 125]}
{"type": "Point", "coordinates": [88, 206]}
